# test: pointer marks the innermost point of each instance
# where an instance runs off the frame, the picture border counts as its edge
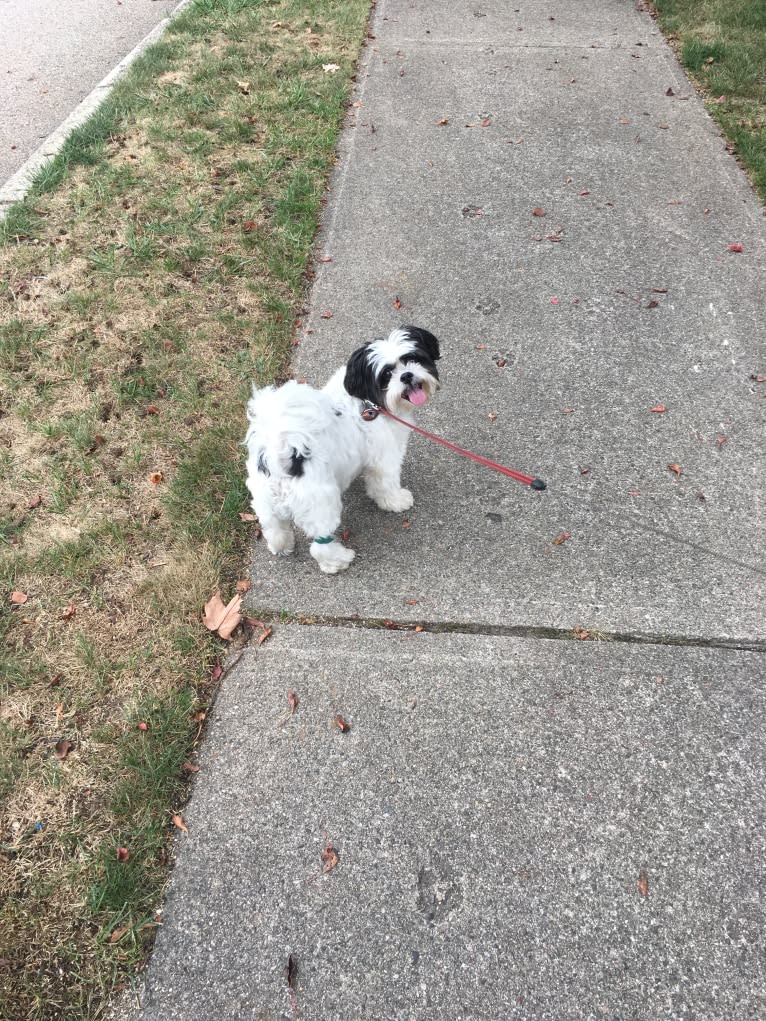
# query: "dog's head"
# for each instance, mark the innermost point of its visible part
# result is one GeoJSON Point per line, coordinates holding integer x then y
{"type": "Point", "coordinates": [398, 372]}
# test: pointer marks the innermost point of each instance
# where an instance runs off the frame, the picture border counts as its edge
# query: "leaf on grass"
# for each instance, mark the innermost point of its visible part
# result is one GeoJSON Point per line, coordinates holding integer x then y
{"type": "Point", "coordinates": [220, 618]}
{"type": "Point", "coordinates": [142, 726]}
{"type": "Point", "coordinates": [244, 88]}
{"type": "Point", "coordinates": [341, 724]}
{"type": "Point", "coordinates": [248, 226]}
{"type": "Point", "coordinates": [329, 858]}
{"type": "Point", "coordinates": [330, 68]}
{"type": "Point", "coordinates": [266, 633]}
{"type": "Point", "coordinates": [560, 539]}
{"type": "Point", "coordinates": [62, 749]}
{"type": "Point", "coordinates": [659, 409]}
{"type": "Point", "coordinates": [247, 516]}
{"type": "Point", "coordinates": [19, 598]}
{"type": "Point", "coordinates": [676, 469]}
{"type": "Point", "coordinates": [190, 767]}
{"type": "Point", "coordinates": [180, 823]}
{"type": "Point", "coordinates": [35, 502]}
{"type": "Point", "coordinates": [643, 883]}
{"type": "Point", "coordinates": [243, 585]}
{"type": "Point", "coordinates": [156, 477]}
{"type": "Point", "coordinates": [217, 672]}
{"type": "Point", "coordinates": [68, 612]}
{"type": "Point", "coordinates": [123, 854]}
{"type": "Point", "coordinates": [117, 934]}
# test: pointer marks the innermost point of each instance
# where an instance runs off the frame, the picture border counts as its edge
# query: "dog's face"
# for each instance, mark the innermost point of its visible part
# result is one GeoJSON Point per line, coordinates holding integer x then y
{"type": "Point", "coordinates": [398, 372]}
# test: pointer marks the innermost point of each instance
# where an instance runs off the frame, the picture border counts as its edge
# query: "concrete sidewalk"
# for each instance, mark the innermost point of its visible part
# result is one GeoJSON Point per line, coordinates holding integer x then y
{"type": "Point", "coordinates": [526, 828]}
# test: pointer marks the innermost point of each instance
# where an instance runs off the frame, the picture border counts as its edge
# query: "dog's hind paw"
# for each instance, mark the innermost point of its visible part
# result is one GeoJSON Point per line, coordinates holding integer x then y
{"type": "Point", "coordinates": [397, 501]}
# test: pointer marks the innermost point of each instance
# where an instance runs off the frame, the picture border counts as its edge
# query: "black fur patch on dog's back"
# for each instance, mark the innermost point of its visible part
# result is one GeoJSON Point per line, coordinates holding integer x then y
{"type": "Point", "coordinates": [296, 464]}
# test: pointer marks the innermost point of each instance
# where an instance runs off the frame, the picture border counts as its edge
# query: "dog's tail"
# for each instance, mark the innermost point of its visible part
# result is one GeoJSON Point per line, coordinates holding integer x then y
{"type": "Point", "coordinates": [282, 421]}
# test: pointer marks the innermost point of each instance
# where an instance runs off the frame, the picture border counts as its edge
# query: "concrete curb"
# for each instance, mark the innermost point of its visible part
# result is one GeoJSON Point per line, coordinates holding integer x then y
{"type": "Point", "coordinates": [16, 187]}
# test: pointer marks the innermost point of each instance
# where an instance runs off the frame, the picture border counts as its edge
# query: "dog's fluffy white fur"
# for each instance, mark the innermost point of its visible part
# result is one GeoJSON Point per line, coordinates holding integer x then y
{"type": "Point", "coordinates": [306, 446]}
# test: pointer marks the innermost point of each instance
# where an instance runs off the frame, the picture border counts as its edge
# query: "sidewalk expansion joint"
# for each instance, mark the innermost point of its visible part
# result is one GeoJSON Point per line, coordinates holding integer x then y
{"type": "Point", "coordinates": [576, 634]}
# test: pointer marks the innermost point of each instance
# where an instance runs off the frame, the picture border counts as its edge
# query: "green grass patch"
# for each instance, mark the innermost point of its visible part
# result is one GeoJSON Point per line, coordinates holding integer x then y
{"type": "Point", "coordinates": [722, 44]}
{"type": "Point", "coordinates": [136, 310]}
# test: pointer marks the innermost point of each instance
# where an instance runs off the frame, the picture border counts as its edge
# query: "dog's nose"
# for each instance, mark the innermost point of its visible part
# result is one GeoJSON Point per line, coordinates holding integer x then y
{"type": "Point", "coordinates": [407, 377]}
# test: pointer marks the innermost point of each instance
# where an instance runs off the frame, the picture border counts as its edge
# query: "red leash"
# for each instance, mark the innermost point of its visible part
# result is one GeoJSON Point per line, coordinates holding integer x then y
{"type": "Point", "coordinates": [372, 411]}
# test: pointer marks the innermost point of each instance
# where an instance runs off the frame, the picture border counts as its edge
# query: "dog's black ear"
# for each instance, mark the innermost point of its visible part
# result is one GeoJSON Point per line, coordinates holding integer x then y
{"type": "Point", "coordinates": [426, 341]}
{"type": "Point", "coordinates": [360, 380]}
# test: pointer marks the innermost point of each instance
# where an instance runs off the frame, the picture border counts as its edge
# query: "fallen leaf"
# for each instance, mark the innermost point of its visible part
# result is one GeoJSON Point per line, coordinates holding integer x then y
{"type": "Point", "coordinates": [538, 211]}
{"type": "Point", "coordinates": [292, 701]}
{"type": "Point", "coordinates": [660, 290]}
{"type": "Point", "coordinates": [397, 302]}
{"type": "Point", "coordinates": [580, 633]}
{"type": "Point", "coordinates": [492, 416]}
{"type": "Point", "coordinates": [68, 612]}
{"type": "Point", "coordinates": [737, 247]}
{"type": "Point", "coordinates": [341, 724]}
{"type": "Point", "coordinates": [419, 628]}
{"type": "Point", "coordinates": [720, 441]}
{"type": "Point", "coordinates": [442, 123]}
{"type": "Point", "coordinates": [325, 258]}
{"type": "Point", "coordinates": [329, 858]}
{"type": "Point", "coordinates": [659, 409]}
{"type": "Point", "coordinates": [669, 92]}
{"type": "Point", "coordinates": [411, 602]}
{"type": "Point", "coordinates": [345, 535]}
{"type": "Point", "coordinates": [585, 470]}
{"type": "Point", "coordinates": [562, 538]}
{"type": "Point", "coordinates": [291, 972]}
{"type": "Point", "coordinates": [485, 122]}
{"type": "Point", "coordinates": [179, 822]}
{"type": "Point", "coordinates": [555, 301]}
{"type": "Point", "coordinates": [152, 409]}
{"type": "Point", "coordinates": [406, 523]}
{"type": "Point", "coordinates": [34, 502]}
{"type": "Point", "coordinates": [156, 477]}
{"type": "Point", "coordinates": [247, 516]}
{"type": "Point", "coordinates": [244, 88]}
{"type": "Point", "coordinates": [480, 347]}
{"type": "Point", "coordinates": [142, 726]}
{"type": "Point", "coordinates": [243, 585]}
{"type": "Point", "coordinates": [19, 598]}
{"type": "Point", "coordinates": [123, 854]}
{"type": "Point", "coordinates": [758, 378]}
{"type": "Point", "coordinates": [62, 749]}
{"type": "Point", "coordinates": [675, 468]}
{"type": "Point", "coordinates": [643, 883]}
{"type": "Point", "coordinates": [190, 767]}
{"type": "Point", "coordinates": [217, 672]}
{"type": "Point", "coordinates": [391, 625]}
{"type": "Point", "coordinates": [653, 304]}
{"type": "Point", "coordinates": [117, 934]}
{"type": "Point", "coordinates": [325, 314]}
{"type": "Point", "coordinates": [330, 68]}
{"type": "Point", "coordinates": [249, 226]}
{"type": "Point", "coordinates": [584, 192]}
{"type": "Point", "coordinates": [220, 618]}
{"type": "Point", "coordinates": [266, 633]}
{"type": "Point", "coordinates": [624, 120]}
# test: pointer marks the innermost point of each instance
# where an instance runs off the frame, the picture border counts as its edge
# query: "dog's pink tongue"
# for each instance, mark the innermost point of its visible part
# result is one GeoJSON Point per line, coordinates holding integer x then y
{"type": "Point", "coordinates": [417, 396]}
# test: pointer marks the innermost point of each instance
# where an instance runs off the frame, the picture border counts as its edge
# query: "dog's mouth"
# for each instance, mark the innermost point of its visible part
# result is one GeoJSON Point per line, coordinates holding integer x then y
{"type": "Point", "coordinates": [415, 395]}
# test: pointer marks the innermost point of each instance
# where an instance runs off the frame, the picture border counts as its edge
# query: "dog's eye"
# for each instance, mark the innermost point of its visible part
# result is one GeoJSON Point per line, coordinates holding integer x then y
{"type": "Point", "coordinates": [385, 378]}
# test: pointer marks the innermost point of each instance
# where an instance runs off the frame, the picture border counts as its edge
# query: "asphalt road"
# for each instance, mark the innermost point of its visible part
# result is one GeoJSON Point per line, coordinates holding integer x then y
{"type": "Point", "coordinates": [54, 52]}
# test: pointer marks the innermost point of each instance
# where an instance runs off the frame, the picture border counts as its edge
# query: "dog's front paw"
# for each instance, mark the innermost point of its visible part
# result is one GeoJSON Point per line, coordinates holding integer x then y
{"type": "Point", "coordinates": [396, 500]}
{"type": "Point", "coordinates": [332, 557]}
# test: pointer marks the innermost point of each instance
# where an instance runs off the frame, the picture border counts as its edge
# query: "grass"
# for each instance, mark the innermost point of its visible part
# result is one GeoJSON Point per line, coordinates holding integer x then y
{"type": "Point", "coordinates": [153, 273]}
{"type": "Point", "coordinates": [722, 44]}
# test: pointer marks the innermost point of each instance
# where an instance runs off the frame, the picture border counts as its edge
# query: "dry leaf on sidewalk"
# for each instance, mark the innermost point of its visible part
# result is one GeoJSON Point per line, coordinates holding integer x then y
{"type": "Point", "coordinates": [220, 618]}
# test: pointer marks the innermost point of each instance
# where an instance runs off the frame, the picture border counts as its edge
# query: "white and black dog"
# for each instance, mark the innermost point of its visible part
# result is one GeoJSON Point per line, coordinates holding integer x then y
{"type": "Point", "coordinates": [306, 446]}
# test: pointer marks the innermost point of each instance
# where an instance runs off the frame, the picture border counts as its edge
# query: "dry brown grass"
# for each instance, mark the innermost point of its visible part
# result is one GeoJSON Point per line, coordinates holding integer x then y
{"type": "Point", "coordinates": [138, 301]}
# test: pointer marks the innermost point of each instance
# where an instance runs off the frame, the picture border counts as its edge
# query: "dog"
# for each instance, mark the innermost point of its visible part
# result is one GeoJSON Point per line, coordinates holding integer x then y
{"type": "Point", "coordinates": [306, 446]}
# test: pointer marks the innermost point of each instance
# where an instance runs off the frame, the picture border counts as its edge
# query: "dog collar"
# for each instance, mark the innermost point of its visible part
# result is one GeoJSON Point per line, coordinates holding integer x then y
{"type": "Point", "coordinates": [323, 539]}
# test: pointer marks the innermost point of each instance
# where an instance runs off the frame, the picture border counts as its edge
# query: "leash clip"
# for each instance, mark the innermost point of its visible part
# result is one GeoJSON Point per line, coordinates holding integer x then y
{"type": "Point", "coordinates": [370, 411]}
